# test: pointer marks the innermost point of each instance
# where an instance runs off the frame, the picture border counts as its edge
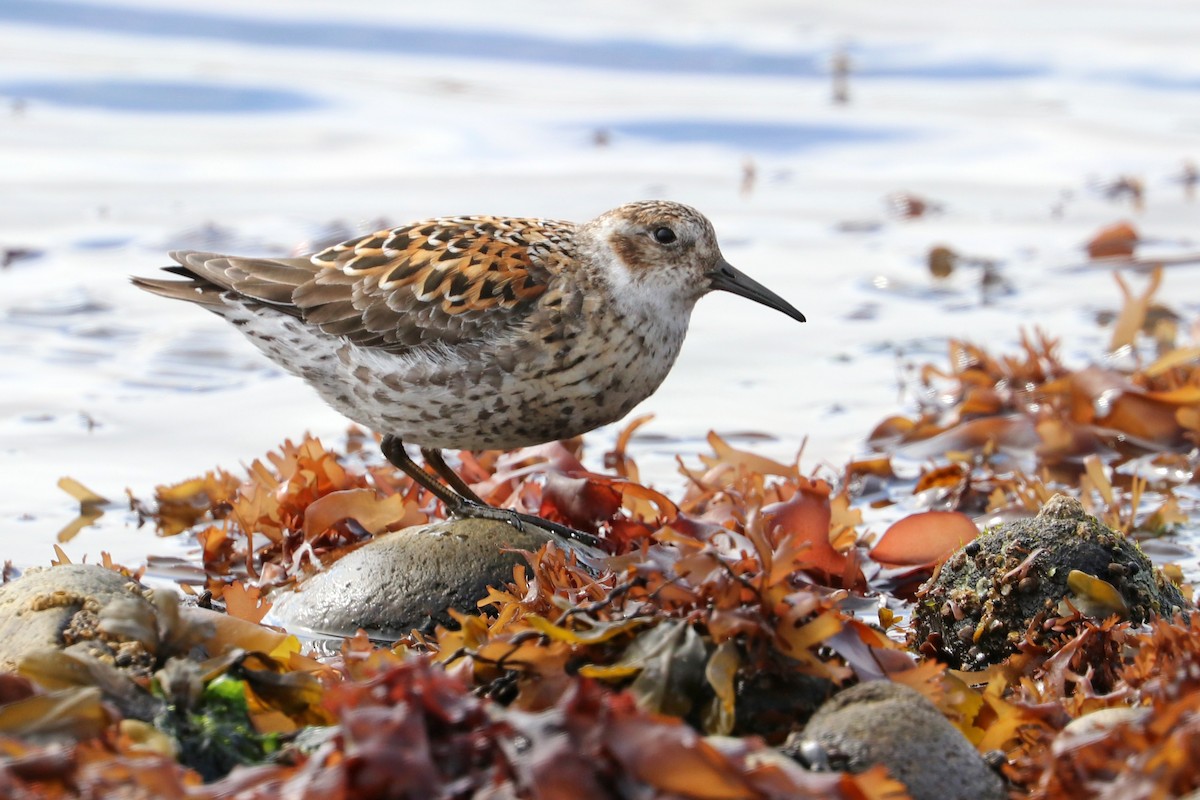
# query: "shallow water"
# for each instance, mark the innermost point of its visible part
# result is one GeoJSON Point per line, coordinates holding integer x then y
{"type": "Point", "coordinates": [130, 130]}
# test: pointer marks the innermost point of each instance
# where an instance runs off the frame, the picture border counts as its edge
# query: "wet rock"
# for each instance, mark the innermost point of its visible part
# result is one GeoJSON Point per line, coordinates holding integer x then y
{"type": "Point", "coordinates": [887, 723]}
{"type": "Point", "coordinates": [407, 579]}
{"type": "Point", "coordinates": [997, 590]}
{"type": "Point", "coordinates": [61, 606]}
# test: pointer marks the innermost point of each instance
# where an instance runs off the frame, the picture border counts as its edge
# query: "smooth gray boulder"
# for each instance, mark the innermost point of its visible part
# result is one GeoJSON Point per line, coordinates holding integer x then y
{"type": "Point", "coordinates": [880, 722]}
{"type": "Point", "coordinates": [407, 579]}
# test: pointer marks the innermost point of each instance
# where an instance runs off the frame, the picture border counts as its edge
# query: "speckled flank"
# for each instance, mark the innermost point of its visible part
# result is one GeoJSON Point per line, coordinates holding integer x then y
{"type": "Point", "coordinates": [474, 332]}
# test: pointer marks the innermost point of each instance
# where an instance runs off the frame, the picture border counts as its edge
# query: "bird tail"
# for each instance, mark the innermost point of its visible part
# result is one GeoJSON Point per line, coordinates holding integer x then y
{"type": "Point", "coordinates": [195, 289]}
{"type": "Point", "coordinates": [202, 286]}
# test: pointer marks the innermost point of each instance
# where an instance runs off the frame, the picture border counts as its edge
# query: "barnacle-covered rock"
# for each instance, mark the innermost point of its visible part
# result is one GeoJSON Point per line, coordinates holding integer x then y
{"type": "Point", "coordinates": [997, 589]}
{"type": "Point", "coordinates": [63, 606]}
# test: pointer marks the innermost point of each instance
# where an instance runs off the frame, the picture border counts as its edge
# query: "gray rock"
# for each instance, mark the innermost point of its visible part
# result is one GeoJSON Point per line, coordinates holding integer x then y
{"type": "Point", "coordinates": [407, 579]}
{"type": "Point", "coordinates": [887, 723]}
{"type": "Point", "coordinates": [40, 607]}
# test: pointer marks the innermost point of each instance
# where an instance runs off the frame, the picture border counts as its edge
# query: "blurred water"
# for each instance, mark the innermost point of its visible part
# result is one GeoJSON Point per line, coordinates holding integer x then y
{"type": "Point", "coordinates": [131, 130]}
{"type": "Point", "coordinates": [493, 44]}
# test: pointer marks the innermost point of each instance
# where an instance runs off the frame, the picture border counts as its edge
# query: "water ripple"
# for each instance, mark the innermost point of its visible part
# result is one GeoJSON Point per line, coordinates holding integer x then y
{"type": "Point", "coordinates": [460, 43]}
{"type": "Point", "coordinates": [158, 96]}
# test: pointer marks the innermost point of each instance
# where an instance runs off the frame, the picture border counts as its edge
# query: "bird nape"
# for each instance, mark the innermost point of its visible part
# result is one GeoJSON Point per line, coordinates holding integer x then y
{"type": "Point", "coordinates": [478, 332]}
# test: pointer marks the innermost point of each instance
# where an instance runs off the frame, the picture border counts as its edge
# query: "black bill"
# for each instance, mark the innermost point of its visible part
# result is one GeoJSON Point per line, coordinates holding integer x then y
{"type": "Point", "coordinates": [727, 279]}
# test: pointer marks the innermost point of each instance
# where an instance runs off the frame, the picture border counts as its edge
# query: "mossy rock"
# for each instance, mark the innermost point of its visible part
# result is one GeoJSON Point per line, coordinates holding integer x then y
{"type": "Point", "coordinates": [998, 589]}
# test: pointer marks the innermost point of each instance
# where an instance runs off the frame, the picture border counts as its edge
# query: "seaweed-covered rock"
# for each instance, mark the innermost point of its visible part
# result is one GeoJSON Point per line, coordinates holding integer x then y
{"type": "Point", "coordinates": [997, 589]}
{"type": "Point", "coordinates": [887, 723]}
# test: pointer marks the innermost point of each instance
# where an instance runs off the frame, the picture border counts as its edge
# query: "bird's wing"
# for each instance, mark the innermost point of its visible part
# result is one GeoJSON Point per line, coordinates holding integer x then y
{"type": "Point", "coordinates": [440, 280]}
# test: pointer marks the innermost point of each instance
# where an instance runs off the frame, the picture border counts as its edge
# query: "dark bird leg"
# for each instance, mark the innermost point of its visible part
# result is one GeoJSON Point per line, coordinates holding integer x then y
{"type": "Point", "coordinates": [460, 500]}
{"type": "Point", "coordinates": [393, 451]}
{"type": "Point", "coordinates": [433, 457]}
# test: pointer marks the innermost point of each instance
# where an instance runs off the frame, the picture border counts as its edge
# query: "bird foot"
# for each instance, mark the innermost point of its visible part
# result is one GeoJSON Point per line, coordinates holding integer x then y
{"type": "Point", "coordinates": [467, 509]}
{"type": "Point", "coordinates": [470, 510]}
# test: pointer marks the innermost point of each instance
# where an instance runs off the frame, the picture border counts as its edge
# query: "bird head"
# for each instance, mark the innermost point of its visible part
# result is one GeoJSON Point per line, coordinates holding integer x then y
{"type": "Point", "coordinates": [666, 254]}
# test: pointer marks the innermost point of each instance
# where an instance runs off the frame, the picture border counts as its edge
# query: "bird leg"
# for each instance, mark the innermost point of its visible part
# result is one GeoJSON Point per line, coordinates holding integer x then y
{"type": "Point", "coordinates": [433, 457]}
{"type": "Point", "coordinates": [394, 452]}
{"type": "Point", "coordinates": [460, 500]}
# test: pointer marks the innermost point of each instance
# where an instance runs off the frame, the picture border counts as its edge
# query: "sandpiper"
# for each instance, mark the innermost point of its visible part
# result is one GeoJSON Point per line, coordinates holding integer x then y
{"type": "Point", "coordinates": [477, 332]}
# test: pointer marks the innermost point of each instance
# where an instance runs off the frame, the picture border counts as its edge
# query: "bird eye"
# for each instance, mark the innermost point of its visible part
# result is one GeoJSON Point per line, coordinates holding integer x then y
{"type": "Point", "coordinates": [664, 236]}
